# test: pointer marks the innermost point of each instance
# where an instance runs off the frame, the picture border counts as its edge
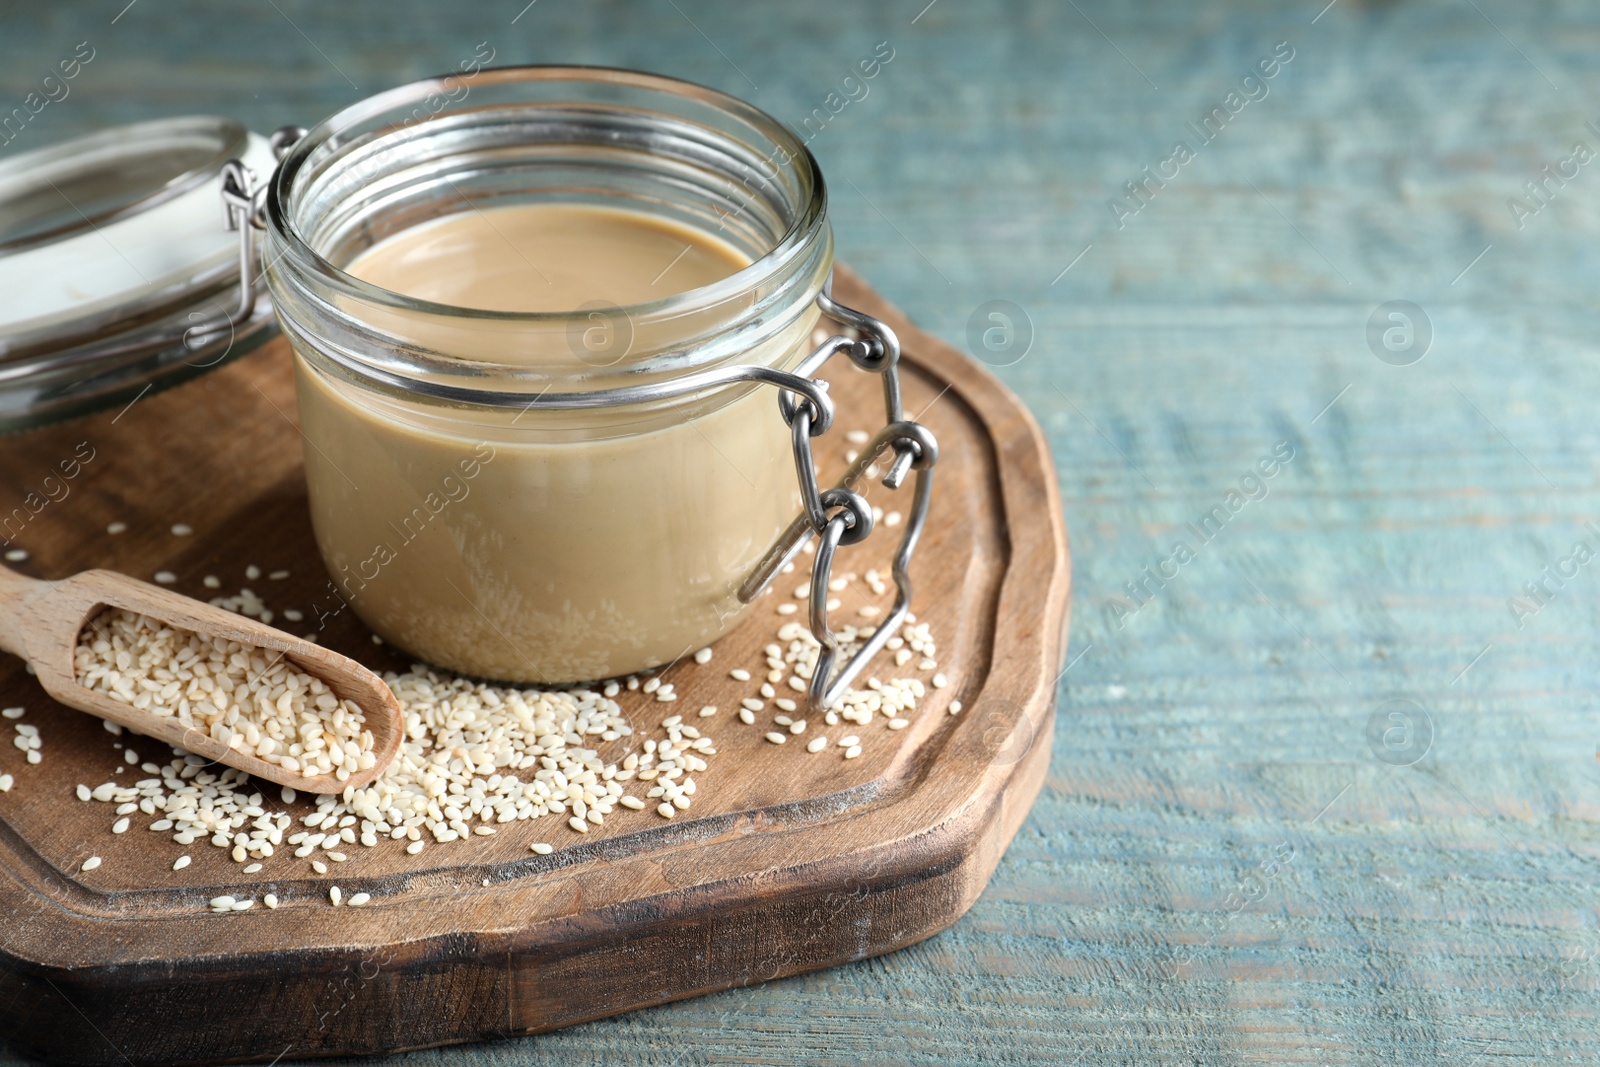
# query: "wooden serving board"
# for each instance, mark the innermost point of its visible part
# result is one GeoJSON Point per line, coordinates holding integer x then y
{"type": "Point", "coordinates": [787, 862]}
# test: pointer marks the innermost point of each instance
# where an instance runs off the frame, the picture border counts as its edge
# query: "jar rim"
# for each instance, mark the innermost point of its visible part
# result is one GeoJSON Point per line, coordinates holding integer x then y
{"type": "Point", "coordinates": [808, 220]}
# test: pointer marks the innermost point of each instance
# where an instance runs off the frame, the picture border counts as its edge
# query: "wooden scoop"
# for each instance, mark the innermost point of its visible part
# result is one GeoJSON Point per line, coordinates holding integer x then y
{"type": "Point", "coordinates": [41, 621]}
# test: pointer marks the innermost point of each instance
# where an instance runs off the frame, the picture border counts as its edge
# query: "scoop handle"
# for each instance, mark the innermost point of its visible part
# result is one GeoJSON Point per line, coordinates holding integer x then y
{"type": "Point", "coordinates": [16, 592]}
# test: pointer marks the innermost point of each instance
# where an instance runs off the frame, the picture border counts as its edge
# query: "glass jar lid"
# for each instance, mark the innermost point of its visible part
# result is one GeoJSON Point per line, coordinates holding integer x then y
{"type": "Point", "coordinates": [113, 250]}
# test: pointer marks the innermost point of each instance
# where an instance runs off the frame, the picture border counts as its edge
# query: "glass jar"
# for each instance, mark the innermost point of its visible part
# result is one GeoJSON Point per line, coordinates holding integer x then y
{"type": "Point", "coordinates": [489, 491]}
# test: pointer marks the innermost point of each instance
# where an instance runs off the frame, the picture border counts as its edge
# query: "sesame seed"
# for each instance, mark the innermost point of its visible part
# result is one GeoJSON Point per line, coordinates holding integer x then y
{"type": "Point", "coordinates": [243, 905]}
{"type": "Point", "coordinates": [578, 824]}
{"type": "Point", "coordinates": [252, 572]}
{"type": "Point", "coordinates": [414, 848]}
{"type": "Point", "coordinates": [852, 752]}
{"type": "Point", "coordinates": [846, 742]}
{"type": "Point", "coordinates": [319, 866]}
{"type": "Point", "coordinates": [90, 864]}
{"type": "Point", "coordinates": [892, 519]}
{"type": "Point", "coordinates": [6, 782]}
{"type": "Point", "coordinates": [335, 895]}
{"type": "Point", "coordinates": [278, 576]}
{"type": "Point", "coordinates": [747, 716]}
{"type": "Point", "coordinates": [292, 615]}
{"type": "Point", "coordinates": [222, 903]}
{"type": "Point", "coordinates": [180, 863]}
{"type": "Point", "coordinates": [116, 527]}
{"type": "Point", "coordinates": [12, 713]}
{"type": "Point", "coordinates": [166, 577]}
{"type": "Point", "coordinates": [899, 724]}
{"type": "Point", "coordinates": [631, 802]}
{"type": "Point", "coordinates": [708, 711]}
{"type": "Point", "coordinates": [776, 738]}
{"type": "Point", "coordinates": [181, 529]}
{"type": "Point", "coordinates": [83, 792]}
{"type": "Point", "coordinates": [270, 900]}
{"type": "Point", "coordinates": [703, 656]}
{"type": "Point", "coordinates": [817, 744]}
{"type": "Point", "coordinates": [955, 707]}
{"type": "Point", "coordinates": [358, 899]}
{"type": "Point", "coordinates": [120, 826]}
{"type": "Point", "coordinates": [858, 437]}
{"type": "Point", "coordinates": [787, 608]}
{"type": "Point", "coordinates": [541, 848]}
{"type": "Point", "coordinates": [211, 581]}
{"type": "Point", "coordinates": [16, 555]}
{"type": "Point", "coordinates": [252, 868]}
{"type": "Point", "coordinates": [797, 727]}
{"type": "Point", "coordinates": [739, 674]}
{"type": "Point", "coordinates": [666, 811]}
{"type": "Point", "coordinates": [752, 703]}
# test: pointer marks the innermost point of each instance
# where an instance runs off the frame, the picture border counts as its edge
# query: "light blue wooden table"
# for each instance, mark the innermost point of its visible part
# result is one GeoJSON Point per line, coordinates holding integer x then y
{"type": "Point", "coordinates": [1324, 788]}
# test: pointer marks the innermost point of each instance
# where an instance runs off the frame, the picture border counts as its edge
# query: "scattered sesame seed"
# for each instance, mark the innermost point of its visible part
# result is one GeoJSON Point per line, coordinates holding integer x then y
{"type": "Point", "coordinates": [797, 727]}
{"type": "Point", "coordinates": [222, 903]}
{"type": "Point", "coordinates": [120, 826]}
{"type": "Point", "coordinates": [858, 437]}
{"type": "Point", "coordinates": [181, 529]}
{"type": "Point", "coordinates": [117, 527]}
{"type": "Point", "coordinates": [955, 707]}
{"type": "Point", "coordinates": [292, 615]}
{"type": "Point", "coordinates": [415, 847]}
{"type": "Point", "coordinates": [377, 640]}
{"type": "Point", "coordinates": [166, 577]}
{"type": "Point", "coordinates": [319, 866]}
{"type": "Point", "coordinates": [180, 863]}
{"type": "Point", "coordinates": [708, 711]}
{"type": "Point", "coordinates": [358, 899]}
{"type": "Point", "coordinates": [270, 900]}
{"type": "Point", "coordinates": [899, 724]}
{"type": "Point", "coordinates": [16, 555]}
{"type": "Point", "coordinates": [817, 744]}
{"type": "Point", "coordinates": [12, 713]}
{"type": "Point", "coordinates": [90, 864]}
{"type": "Point", "coordinates": [666, 811]}
{"type": "Point", "coordinates": [252, 868]}
{"type": "Point", "coordinates": [892, 519]}
{"type": "Point", "coordinates": [940, 681]}
{"type": "Point", "coordinates": [335, 895]}
{"type": "Point", "coordinates": [852, 752]}
{"type": "Point", "coordinates": [747, 716]}
{"type": "Point", "coordinates": [739, 674]}
{"type": "Point", "coordinates": [288, 795]}
{"type": "Point", "coordinates": [211, 581]}
{"type": "Point", "coordinates": [252, 572]}
{"type": "Point", "coordinates": [787, 608]}
{"type": "Point", "coordinates": [776, 738]}
{"type": "Point", "coordinates": [703, 656]}
{"type": "Point", "coordinates": [541, 848]}
{"type": "Point", "coordinates": [83, 792]}
{"type": "Point", "coordinates": [278, 576]}
{"type": "Point", "coordinates": [752, 703]}
{"type": "Point", "coordinates": [846, 742]}
{"type": "Point", "coordinates": [578, 824]}
{"type": "Point", "coordinates": [6, 782]}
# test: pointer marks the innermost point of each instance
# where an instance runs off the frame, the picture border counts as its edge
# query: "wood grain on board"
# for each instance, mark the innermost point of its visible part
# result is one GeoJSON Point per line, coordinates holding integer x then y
{"type": "Point", "coordinates": [788, 861]}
